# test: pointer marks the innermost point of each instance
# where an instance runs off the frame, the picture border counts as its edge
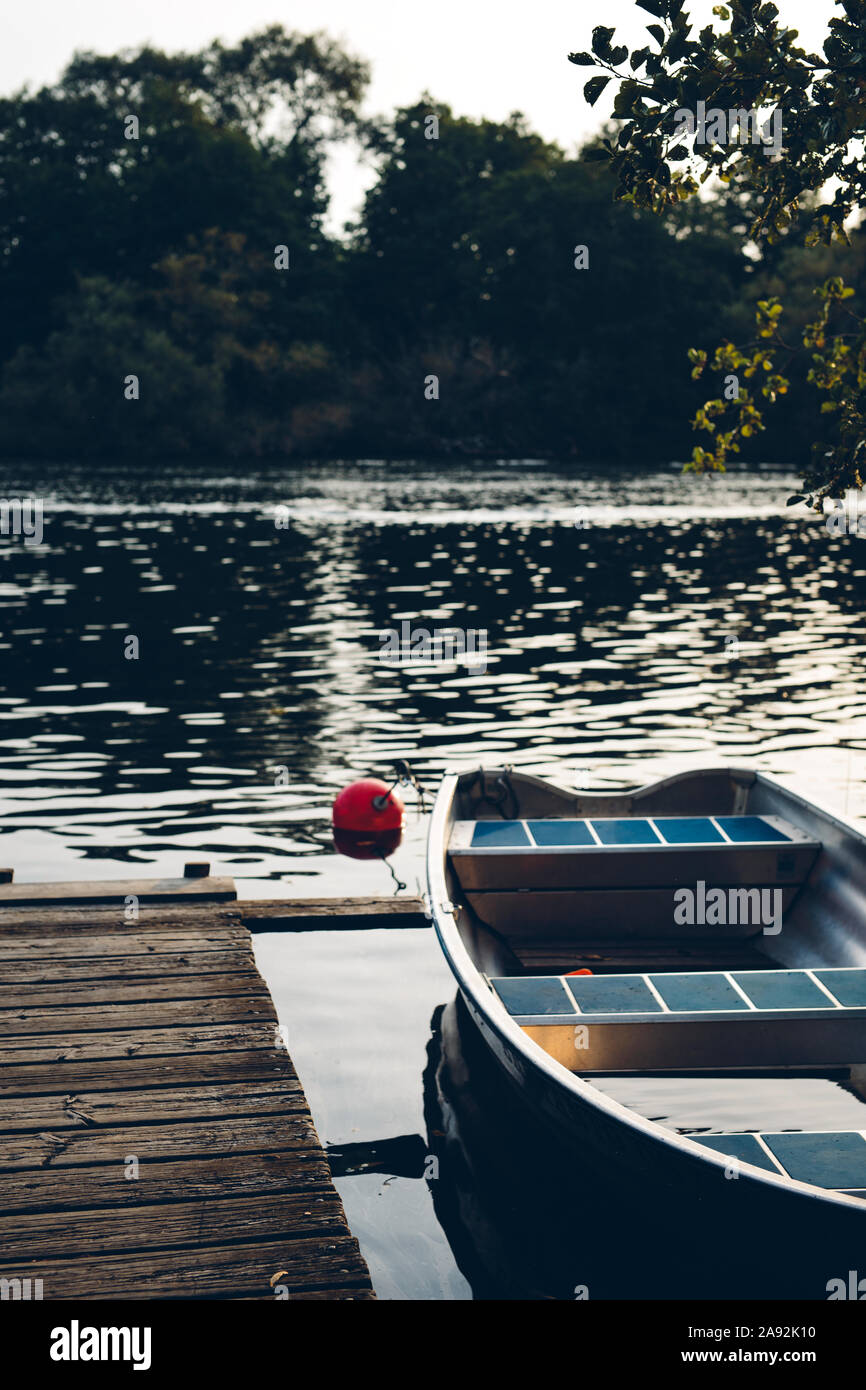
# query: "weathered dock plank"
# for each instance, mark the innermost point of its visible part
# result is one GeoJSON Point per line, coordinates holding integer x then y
{"type": "Point", "coordinates": [152, 889]}
{"type": "Point", "coordinates": [120, 966]}
{"type": "Point", "coordinates": [155, 1140]}
{"type": "Point", "coordinates": [67, 995]}
{"type": "Point", "coordinates": [333, 914]}
{"type": "Point", "coordinates": [311, 1264]}
{"type": "Point", "coordinates": [254, 1174]}
{"type": "Point", "coordinates": [110, 915]}
{"type": "Point", "coordinates": [20, 942]}
{"type": "Point", "coordinates": [137, 1042]}
{"type": "Point", "coordinates": [205, 1138]}
{"type": "Point", "coordinates": [90, 1109]}
{"type": "Point", "coordinates": [163, 1013]}
{"type": "Point", "coordinates": [134, 1073]}
{"type": "Point", "coordinates": [109, 1231]}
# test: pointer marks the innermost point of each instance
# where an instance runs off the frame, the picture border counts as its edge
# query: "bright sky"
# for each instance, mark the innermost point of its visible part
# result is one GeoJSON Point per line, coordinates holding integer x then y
{"type": "Point", "coordinates": [483, 58]}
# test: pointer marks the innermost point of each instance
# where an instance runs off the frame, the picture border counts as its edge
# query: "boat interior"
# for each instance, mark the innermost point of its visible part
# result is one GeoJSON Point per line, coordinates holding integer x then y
{"type": "Point", "coordinates": [551, 881]}
{"type": "Point", "coordinates": [709, 924]}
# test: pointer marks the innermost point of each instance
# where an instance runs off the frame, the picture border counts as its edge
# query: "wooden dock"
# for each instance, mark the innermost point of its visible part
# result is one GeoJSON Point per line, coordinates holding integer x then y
{"type": "Point", "coordinates": [155, 1141]}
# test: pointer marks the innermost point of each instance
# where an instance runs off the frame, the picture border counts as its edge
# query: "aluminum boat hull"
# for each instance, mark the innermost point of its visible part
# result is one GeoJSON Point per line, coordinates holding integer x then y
{"type": "Point", "coordinates": [677, 1177]}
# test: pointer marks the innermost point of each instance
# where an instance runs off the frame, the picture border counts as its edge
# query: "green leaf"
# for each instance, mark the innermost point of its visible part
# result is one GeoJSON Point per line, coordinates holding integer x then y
{"type": "Point", "coordinates": [618, 55]}
{"type": "Point", "coordinates": [623, 104]}
{"type": "Point", "coordinates": [583, 60]}
{"type": "Point", "coordinates": [658, 34]}
{"type": "Point", "coordinates": [677, 46]}
{"type": "Point", "coordinates": [656, 7]}
{"type": "Point", "coordinates": [594, 88]}
{"type": "Point", "coordinates": [798, 497]}
{"type": "Point", "coordinates": [601, 37]}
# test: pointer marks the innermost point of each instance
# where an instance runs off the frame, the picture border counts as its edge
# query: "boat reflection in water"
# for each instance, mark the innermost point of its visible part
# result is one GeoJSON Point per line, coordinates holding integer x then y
{"type": "Point", "coordinates": [531, 1216]}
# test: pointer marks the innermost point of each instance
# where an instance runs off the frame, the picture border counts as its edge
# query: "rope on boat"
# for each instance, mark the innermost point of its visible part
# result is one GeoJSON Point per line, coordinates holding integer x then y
{"type": "Point", "coordinates": [498, 801]}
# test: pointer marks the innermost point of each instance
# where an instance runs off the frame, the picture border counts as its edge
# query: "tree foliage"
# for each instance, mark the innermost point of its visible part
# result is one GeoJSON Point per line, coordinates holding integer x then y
{"type": "Point", "coordinates": [230, 138]}
{"type": "Point", "coordinates": [749, 62]}
{"type": "Point", "coordinates": [155, 256]}
{"type": "Point", "coordinates": [463, 265]}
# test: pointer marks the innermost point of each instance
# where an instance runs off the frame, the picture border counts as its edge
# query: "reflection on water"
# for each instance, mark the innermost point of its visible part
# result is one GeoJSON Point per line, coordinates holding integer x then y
{"type": "Point", "coordinates": [681, 621]}
{"type": "Point", "coordinates": [637, 624]}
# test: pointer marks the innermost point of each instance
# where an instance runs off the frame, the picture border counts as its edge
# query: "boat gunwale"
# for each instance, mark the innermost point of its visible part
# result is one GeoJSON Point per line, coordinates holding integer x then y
{"type": "Point", "coordinates": [472, 984]}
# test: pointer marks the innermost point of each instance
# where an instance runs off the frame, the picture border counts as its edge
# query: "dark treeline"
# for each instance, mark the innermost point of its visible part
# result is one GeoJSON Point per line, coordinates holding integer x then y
{"type": "Point", "coordinates": [141, 202]}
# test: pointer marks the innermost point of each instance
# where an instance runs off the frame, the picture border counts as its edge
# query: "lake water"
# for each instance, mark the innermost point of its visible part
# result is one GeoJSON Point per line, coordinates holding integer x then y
{"type": "Point", "coordinates": [638, 623]}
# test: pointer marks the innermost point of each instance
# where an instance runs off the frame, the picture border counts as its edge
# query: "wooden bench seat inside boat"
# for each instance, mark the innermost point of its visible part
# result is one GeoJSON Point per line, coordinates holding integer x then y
{"type": "Point", "coordinates": [561, 878]}
{"type": "Point", "coordinates": [835, 1159]}
{"type": "Point", "coordinates": [693, 1020]}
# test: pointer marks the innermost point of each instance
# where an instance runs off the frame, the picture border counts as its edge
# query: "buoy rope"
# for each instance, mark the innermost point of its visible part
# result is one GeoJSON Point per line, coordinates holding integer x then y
{"type": "Point", "coordinates": [405, 778]}
{"type": "Point", "coordinates": [400, 886]}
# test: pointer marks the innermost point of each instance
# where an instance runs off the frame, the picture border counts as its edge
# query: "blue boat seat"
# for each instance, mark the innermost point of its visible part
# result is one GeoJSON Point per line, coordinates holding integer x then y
{"type": "Point", "coordinates": [833, 1159]}
{"type": "Point", "coordinates": [628, 831]}
{"type": "Point", "coordinates": [701, 1020]}
{"type": "Point", "coordinates": [567, 871]}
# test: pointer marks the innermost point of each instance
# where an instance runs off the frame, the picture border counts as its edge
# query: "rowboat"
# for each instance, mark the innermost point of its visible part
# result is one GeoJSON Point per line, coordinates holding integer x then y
{"type": "Point", "coordinates": [712, 923]}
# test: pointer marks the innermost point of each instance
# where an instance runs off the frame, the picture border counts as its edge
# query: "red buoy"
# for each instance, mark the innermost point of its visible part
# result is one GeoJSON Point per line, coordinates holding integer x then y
{"type": "Point", "coordinates": [368, 819]}
{"type": "Point", "coordinates": [578, 972]}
